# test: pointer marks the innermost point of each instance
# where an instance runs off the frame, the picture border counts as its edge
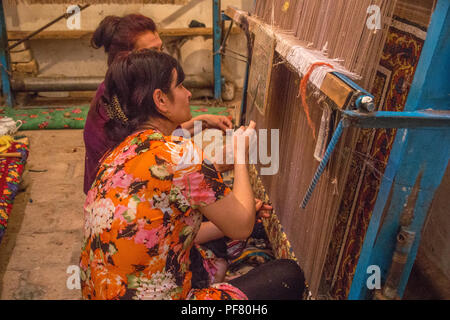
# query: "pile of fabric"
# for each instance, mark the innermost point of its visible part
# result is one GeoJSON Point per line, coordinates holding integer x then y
{"type": "Point", "coordinates": [243, 256]}
{"type": "Point", "coordinates": [11, 170]}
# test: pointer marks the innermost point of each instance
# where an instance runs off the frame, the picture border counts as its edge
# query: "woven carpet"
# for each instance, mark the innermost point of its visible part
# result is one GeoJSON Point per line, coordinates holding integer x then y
{"type": "Point", "coordinates": [74, 117]}
{"type": "Point", "coordinates": [395, 74]}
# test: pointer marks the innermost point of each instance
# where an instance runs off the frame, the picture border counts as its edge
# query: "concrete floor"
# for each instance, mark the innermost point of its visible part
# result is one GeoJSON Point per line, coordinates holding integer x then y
{"type": "Point", "coordinates": [44, 231]}
{"type": "Point", "coordinates": [45, 227]}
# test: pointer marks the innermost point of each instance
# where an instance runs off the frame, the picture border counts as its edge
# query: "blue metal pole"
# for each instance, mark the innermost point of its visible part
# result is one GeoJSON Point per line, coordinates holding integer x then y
{"type": "Point", "coordinates": [4, 60]}
{"type": "Point", "coordinates": [396, 119]}
{"type": "Point", "coordinates": [351, 83]}
{"type": "Point", "coordinates": [381, 119]}
{"type": "Point", "coordinates": [414, 151]}
{"type": "Point", "coordinates": [217, 35]}
{"type": "Point", "coordinates": [334, 140]}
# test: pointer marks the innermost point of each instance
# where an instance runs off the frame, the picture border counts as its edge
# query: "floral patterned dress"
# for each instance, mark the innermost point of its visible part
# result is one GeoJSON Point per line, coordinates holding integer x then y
{"type": "Point", "coordinates": [141, 217]}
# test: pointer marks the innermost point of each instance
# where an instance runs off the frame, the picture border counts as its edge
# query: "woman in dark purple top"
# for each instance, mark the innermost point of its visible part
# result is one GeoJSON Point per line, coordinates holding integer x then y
{"type": "Point", "coordinates": [117, 34]}
{"type": "Point", "coordinates": [94, 138]}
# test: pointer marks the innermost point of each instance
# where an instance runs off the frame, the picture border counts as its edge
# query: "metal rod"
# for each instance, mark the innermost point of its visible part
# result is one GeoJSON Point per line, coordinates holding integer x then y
{"type": "Point", "coordinates": [334, 140]}
{"type": "Point", "coordinates": [380, 119]}
{"type": "Point", "coordinates": [65, 15]}
{"type": "Point", "coordinates": [224, 42]}
{"type": "Point", "coordinates": [233, 57]}
{"type": "Point", "coordinates": [235, 52]}
{"type": "Point", "coordinates": [405, 240]}
{"type": "Point", "coordinates": [49, 84]}
{"type": "Point", "coordinates": [41, 84]}
{"type": "Point", "coordinates": [244, 95]}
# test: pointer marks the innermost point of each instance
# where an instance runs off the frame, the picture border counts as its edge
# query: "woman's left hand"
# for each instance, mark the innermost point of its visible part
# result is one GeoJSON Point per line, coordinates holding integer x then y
{"type": "Point", "coordinates": [216, 121]}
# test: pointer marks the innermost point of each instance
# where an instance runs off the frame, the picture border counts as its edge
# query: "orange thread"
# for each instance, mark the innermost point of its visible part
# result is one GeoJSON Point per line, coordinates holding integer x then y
{"type": "Point", "coordinates": [302, 92]}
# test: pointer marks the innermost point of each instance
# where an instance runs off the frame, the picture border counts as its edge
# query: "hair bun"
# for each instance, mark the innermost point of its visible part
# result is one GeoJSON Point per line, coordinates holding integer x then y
{"type": "Point", "coordinates": [104, 33]}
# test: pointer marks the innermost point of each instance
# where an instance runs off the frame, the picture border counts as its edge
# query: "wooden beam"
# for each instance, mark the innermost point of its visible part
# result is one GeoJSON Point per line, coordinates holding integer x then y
{"type": "Point", "coordinates": [69, 34]}
{"type": "Point", "coordinates": [79, 34]}
{"type": "Point", "coordinates": [337, 90]}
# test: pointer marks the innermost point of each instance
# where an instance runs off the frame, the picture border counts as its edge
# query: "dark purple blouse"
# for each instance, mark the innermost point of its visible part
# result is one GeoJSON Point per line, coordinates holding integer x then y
{"type": "Point", "coordinates": [95, 139]}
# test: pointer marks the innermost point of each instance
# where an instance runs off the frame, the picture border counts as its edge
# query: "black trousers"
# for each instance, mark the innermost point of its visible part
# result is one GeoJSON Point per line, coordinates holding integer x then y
{"type": "Point", "coordinates": [280, 279]}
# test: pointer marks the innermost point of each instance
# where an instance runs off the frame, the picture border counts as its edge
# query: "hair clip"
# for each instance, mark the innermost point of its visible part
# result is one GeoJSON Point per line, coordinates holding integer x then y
{"type": "Point", "coordinates": [114, 110]}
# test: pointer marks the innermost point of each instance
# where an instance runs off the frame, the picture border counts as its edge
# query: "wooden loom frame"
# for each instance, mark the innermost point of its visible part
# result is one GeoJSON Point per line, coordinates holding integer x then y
{"type": "Point", "coordinates": [407, 164]}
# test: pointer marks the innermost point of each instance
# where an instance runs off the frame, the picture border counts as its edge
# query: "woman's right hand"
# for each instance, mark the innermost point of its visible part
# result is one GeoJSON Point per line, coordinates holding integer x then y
{"type": "Point", "coordinates": [238, 152]}
{"type": "Point", "coordinates": [243, 138]}
{"type": "Point", "coordinates": [234, 214]}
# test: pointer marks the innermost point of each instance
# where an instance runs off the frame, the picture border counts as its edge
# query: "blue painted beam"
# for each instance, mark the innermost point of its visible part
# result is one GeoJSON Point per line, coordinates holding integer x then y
{"type": "Point", "coordinates": [395, 119]}
{"type": "Point", "coordinates": [414, 150]}
{"type": "Point", "coordinates": [217, 35]}
{"type": "Point", "coordinates": [419, 155]}
{"type": "Point", "coordinates": [351, 83]}
{"type": "Point", "coordinates": [380, 119]}
{"type": "Point", "coordinates": [4, 60]}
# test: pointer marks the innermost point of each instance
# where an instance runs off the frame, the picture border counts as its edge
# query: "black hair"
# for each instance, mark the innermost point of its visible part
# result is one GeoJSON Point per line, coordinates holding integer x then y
{"type": "Point", "coordinates": [131, 80]}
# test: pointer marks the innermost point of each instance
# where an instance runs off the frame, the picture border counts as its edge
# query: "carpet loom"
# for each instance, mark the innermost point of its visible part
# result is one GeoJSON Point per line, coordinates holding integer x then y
{"type": "Point", "coordinates": [327, 236]}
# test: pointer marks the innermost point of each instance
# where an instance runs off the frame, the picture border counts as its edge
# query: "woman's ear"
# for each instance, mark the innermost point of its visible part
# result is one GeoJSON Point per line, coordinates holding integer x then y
{"type": "Point", "coordinates": [160, 100]}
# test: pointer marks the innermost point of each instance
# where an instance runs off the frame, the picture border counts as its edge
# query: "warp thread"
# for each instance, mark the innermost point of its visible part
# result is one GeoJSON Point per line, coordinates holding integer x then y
{"type": "Point", "coordinates": [302, 92]}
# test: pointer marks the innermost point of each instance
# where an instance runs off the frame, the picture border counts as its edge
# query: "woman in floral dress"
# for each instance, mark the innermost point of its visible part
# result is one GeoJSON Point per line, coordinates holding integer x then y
{"type": "Point", "coordinates": [146, 204]}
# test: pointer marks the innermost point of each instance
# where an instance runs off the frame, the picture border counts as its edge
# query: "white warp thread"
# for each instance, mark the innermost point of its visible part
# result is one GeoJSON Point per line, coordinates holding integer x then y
{"type": "Point", "coordinates": [301, 58]}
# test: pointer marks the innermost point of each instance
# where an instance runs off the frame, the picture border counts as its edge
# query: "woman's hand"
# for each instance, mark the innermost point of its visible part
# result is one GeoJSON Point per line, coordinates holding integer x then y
{"type": "Point", "coordinates": [230, 155]}
{"type": "Point", "coordinates": [243, 138]}
{"type": "Point", "coordinates": [209, 231]}
{"type": "Point", "coordinates": [263, 210]}
{"type": "Point", "coordinates": [209, 121]}
{"type": "Point", "coordinates": [215, 121]}
{"type": "Point", "coordinates": [234, 214]}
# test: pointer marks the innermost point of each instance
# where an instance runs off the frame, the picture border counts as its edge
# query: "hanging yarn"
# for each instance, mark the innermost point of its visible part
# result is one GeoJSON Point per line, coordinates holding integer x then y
{"type": "Point", "coordinates": [302, 93]}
